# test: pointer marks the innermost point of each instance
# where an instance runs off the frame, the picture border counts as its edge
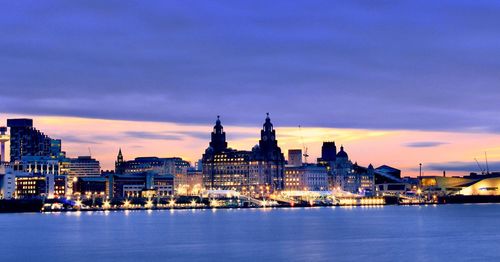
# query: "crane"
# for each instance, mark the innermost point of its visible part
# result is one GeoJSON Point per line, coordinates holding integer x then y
{"type": "Point", "coordinates": [487, 165]}
{"type": "Point", "coordinates": [304, 147]}
{"type": "Point", "coordinates": [478, 165]}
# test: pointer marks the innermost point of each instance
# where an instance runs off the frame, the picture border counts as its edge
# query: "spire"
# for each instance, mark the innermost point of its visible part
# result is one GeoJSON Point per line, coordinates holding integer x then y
{"type": "Point", "coordinates": [119, 158]}
{"type": "Point", "coordinates": [119, 162]}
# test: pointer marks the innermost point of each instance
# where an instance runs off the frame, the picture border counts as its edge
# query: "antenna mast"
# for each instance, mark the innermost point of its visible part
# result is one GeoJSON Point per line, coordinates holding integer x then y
{"type": "Point", "coordinates": [305, 154]}
{"type": "Point", "coordinates": [487, 166]}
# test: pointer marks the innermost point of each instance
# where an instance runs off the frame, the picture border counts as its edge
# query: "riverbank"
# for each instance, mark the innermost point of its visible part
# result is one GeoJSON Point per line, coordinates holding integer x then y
{"type": "Point", "coordinates": [38, 205]}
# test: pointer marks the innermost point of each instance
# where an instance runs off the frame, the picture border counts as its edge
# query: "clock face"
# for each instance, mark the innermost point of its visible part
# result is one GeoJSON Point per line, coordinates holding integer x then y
{"type": "Point", "coordinates": [272, 137]}
{"type": "Point", "coordinates": [265, 138]}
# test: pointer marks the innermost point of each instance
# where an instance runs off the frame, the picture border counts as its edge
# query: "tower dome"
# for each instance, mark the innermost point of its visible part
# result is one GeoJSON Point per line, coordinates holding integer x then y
{"type": "Point", "coordinates": [342, 153]}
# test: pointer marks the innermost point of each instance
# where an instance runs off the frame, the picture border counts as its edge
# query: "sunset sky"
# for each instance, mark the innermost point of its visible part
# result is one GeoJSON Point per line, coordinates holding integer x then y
{"type": "Point", "coordinates": [404, 149]}
{"type": "Point", "coordinates": [395, 82]}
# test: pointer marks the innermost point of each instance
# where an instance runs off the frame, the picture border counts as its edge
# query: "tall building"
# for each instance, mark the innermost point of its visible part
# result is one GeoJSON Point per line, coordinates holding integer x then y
{"type": "Point", "coordinates": [269, 158]}
{"type": "Point", "coordinates": [327, 159]}
{"type": "Point", "coordinates": [328, 153]}
{"type": "Point", "coordinates": [295, 157]}
{"type": "Point", "coordinates": [3, 138]}
{"type": "Point", "coordinates": [25, 140]}
{"type": "Point", "coordinates": [260, 171]}
{"type": "Point", "coordinates": [56, 149]}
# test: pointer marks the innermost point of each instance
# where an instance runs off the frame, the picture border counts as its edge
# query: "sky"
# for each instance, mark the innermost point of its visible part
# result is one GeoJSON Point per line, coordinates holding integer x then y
{"type": "Point", "coordinates": [397, 82]}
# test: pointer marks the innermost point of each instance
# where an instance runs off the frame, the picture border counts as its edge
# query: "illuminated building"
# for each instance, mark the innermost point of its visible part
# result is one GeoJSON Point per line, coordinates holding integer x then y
{"type": "Point", "coordinates": [60, 186]}
{"type": "Point", "coordinates": [352, 177]}
{"type": "Point", "coordinates": [189, 183]}
{"type": "Point", "coordinates": [442, 186]}
{"type": "Point", "coordinates": [34, 186]}
{"type": "Point", "coordinates": [25, 140]}
{"type": "Point", "coordinates": [37, 165]}
{"type": "Point", "coordinates": [365, 179]}
{"type": "Point", "coordinates": [306, 177]}
{"type": "Point", "coordinates": [342, 172]}
{"type": "Point", "coordinates": [481, 185]}
{"type": "Point", "coordinates": [259, 171]}
{"type": "Point", "coordinates": [35, 176]}
{"type": "Point", "coordinates": [134, 185]}
{"type": "Point", "coordinates": [92, 185]}
{"type": "Point", "coordinates": [82, 166]}
{"type": "Point", "coordinates": [160, 166]}
{"type": "Point", "coordinates": [487, 186]}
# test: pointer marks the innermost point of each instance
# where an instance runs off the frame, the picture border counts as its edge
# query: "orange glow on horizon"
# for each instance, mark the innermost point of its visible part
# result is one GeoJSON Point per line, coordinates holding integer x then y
{"type": "Point", "coordinates": [138, 138]}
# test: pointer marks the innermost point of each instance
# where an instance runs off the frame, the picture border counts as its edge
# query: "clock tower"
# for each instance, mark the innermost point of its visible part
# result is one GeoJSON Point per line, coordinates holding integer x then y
{"type": "Point", "coordinates": [268, 142]}
{"type": "Point", "coordinates": [218, 142]}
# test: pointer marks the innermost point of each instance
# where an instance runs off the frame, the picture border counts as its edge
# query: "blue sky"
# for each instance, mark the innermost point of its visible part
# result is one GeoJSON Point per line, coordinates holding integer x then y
{"type": "Point", "coordinates": [375, 65]}
{"type": "Point", "coordinates": [430, 65]}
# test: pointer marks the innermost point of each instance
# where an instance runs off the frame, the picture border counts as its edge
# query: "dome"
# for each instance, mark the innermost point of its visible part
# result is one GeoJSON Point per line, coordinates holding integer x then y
{"type": "Point", "coordinates": [342, 153]}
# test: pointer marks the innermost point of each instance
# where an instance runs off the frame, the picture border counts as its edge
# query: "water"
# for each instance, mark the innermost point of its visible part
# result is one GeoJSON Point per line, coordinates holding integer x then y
{"type": "Point", "coordinates": [390, 233]}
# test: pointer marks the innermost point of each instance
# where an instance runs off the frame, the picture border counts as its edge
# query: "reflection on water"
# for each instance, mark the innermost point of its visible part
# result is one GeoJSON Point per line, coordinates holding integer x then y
{"type": "Point", "coordinates": [390, 233]}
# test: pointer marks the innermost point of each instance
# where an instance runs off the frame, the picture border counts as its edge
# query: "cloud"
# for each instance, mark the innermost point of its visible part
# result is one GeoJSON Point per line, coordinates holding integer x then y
{"type": "Point", "coordinates": [152, 135]}
{"type": "Point", "coordinates": [196, 134]}
{"type": "Point", "coordinates": [323, 63]}
{"type": "Point", "coordinates": [75, 139]}
{"type": "Point", "coordinates": [463, 166]}
{"type": "Point", "coordinates": [425, 144]}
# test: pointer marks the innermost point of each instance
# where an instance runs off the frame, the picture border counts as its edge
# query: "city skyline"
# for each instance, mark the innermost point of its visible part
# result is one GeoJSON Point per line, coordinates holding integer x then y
{"type": "Point", "coordinates": [401, 149]}
{"type": "Point", "coordinates": [341, 70]}
{"type": "Point", "coordinates": [258, 130]}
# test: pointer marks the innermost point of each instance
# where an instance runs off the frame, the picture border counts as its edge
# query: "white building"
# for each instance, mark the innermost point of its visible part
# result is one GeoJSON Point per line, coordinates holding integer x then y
{"type": "Point", "coordinates": [7, 182]}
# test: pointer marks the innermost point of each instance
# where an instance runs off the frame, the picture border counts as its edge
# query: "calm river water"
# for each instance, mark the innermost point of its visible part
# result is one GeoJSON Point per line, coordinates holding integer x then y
{"type": "Point", "coordinates": [390, 233]}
